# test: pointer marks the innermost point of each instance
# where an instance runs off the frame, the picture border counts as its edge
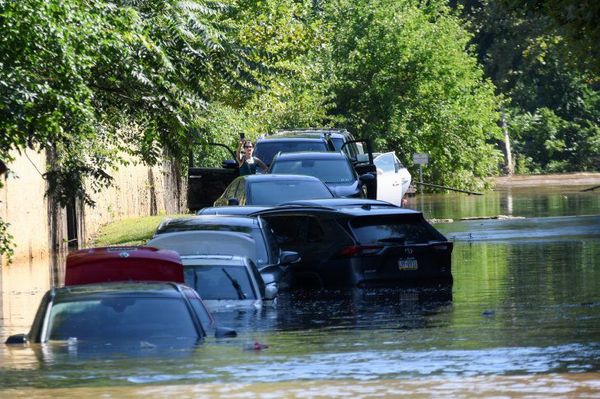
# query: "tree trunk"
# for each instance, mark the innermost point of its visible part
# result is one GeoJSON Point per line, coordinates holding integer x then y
{"type": "Point", "coordinates": [509, 168]}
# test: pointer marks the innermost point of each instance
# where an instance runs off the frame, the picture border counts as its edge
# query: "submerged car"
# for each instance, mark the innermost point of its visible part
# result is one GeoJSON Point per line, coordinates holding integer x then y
{"type": "Point", "coordinates": [332, 168]}
{"type": "Point", "coordinates": [271, 189]}
{"type": "Point", "coordinates": [358, 242]}
{"type": "Point", "coordinates": [225, 281]}
{"type": "Point", "coordinates": [220, 235]}
{"type": "Point", "coordinates": [156, 313]}
{"type": "Point", "coordinates": [122, 295]}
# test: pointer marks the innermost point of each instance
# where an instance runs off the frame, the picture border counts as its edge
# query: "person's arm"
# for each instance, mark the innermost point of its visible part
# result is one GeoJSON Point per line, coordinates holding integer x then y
{"type": "Point", "coordinates": [262, 165]}
{"type": "Point", "coordinates": [238, 154]}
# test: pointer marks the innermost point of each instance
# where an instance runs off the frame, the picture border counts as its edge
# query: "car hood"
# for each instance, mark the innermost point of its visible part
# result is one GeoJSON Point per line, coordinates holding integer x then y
{"type": "Point", "coordinates": [345, 189]}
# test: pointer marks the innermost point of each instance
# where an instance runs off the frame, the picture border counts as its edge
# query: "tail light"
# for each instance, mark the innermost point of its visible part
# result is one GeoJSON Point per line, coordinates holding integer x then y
{"type": "Point", "coordinates": [359, 250]}
{"type": "Point", "coordinates": [441, 247]}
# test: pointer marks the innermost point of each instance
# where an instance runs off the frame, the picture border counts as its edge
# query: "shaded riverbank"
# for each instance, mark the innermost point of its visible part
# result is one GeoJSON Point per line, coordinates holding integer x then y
{"type": "Point", "coordinates": [565, 179]}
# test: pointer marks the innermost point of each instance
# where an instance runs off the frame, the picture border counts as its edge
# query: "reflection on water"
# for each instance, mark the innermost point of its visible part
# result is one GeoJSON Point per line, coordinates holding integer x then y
{"type": "Point", "coordinates": [521, 319]}
{"type": "Point", "coordinates": [584, 385]}
{"type": "Point", "coordinates": [518, 201]}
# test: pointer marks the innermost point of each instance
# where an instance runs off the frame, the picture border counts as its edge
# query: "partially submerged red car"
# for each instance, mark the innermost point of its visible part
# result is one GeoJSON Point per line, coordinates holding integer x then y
{"type": "Point", "coordinates": [117, 295]}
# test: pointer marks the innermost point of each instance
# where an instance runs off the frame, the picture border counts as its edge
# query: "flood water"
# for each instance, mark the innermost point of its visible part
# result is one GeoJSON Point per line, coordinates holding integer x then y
{"type": "Point", "coordinates": [522, 319]}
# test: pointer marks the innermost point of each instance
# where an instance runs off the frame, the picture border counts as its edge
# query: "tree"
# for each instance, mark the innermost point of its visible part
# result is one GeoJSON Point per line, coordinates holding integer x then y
{"type": "Point", "coordinates": [404, 75]}
{"type": "Point", "coordinates": [554, 105]}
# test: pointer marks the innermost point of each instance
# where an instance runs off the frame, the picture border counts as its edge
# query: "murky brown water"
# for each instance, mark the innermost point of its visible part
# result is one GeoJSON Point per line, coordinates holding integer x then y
{"type": "Point", "coordinates": [522, 319]}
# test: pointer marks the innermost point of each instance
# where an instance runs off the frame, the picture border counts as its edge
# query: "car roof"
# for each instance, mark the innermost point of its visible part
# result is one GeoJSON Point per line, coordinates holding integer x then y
{"type": "Point", "coordinates": [142, 288]}
{"type": "Point", "coordinates": [199, 222]}
{"type": "Point", "coordinates": [314, 132]}
{"type": "Point", "coordinates": [207, 242]}
{"type": "Point", "coordinates": [271, 177]}
{"type": "Point", "coordinates": [348, 206]}
{"type": "Point", "coordinates": [311, 155]}
{"type": "Point", "coordinates": [207, 260]}
{"type": "Point", "coordinates": [231, 210]}
{"type": "Point", "coordinates": [292, 137]}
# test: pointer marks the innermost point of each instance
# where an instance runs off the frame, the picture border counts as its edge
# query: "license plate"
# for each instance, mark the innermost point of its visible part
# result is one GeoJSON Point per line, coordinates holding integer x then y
{"type": "Point", "coordinates": [408, 264]}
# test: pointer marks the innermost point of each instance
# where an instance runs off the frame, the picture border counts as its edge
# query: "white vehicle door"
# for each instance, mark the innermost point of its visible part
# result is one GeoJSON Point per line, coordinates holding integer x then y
{"type": "Point", "coordinates": [392, 176]}
{"type": "Point", "coordinates": [403, 175]}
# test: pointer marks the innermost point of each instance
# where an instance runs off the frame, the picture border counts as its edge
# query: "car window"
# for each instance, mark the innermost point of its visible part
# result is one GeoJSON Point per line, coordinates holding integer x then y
{"type": "Point", "coordinates": [386, 163]}
{"type": "Point", "coordinates": [350, 149]}
{"type": "Point", "coordinates": [231, 191]}
{"type": "Point", "coordinates": [266, 150]}
{"type": "Point", "coordinates": [262, 250]}
{"type": "Point", "coordinates": [199, 307]}
{"type": "Point", "coordinates": [270, 242]}
{"type": "Point", "coordinates": [327, 170]}
{"type": "Point", "coordinates": [394, 229]}
{"type": "Point", "coordinates": [278, 191]}
{"type": "Point", "coordinates": [205, 317]}
{"type": "Point", "coordinates": [120, 318]}
{"type": "Point", "coordinates": [398, 163]}
{"type": "Point", "coordinates": [292, 231]}
{"type": "Point", "coordinates": [219, 282]}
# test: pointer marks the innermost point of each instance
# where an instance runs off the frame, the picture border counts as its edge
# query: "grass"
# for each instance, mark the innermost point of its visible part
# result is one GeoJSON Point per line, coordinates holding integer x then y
{"type": "Point", "coordinates": [131, 231]}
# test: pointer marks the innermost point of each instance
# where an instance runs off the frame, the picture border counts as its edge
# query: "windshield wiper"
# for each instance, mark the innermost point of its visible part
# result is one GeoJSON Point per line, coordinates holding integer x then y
{"type": "Point", "coordinates": [235, 284]}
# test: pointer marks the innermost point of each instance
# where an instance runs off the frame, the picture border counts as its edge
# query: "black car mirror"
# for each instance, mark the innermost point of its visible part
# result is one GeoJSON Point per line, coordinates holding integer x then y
{"type": "Point", "coordinates": [366, 178]}
{"type": "Point", "coordinates": [225, 332]}
{"type": "Point", "coordinates": [289, 257]}
{"type": "Point", "coordinates": [17, 339]}
{"type": "Point", "coordinates": [229, 164]}
{"type": "Point", "coordinates": [233, 202]}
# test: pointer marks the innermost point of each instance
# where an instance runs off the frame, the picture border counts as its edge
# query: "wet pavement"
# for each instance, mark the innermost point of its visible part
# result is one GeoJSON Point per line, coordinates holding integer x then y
{"type": "Point", "coordinates": [522, 319]}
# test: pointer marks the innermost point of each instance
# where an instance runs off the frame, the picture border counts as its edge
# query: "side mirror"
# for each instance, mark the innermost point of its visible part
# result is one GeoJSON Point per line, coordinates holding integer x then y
{"type": "Point", "coordinates": [233, 202]}
{"type": "Point", "coordinates": [17, 339]}
{"type": "Point", "coordinates": [366, 178]}
{"type": "Point", "coordinates": [271, 291]}
{"type": "Point", "coordinates": [224, 332]}
{"type": "Point", "coordinates": [289, 257]}
{"type": "Point", "coordinates": [229, 164]}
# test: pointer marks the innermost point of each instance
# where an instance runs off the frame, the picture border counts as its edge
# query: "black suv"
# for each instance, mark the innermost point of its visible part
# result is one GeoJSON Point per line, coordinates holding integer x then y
{"type": "Point", "coordinates": [267, 147]}
{"type": "Point", "coordinates": [341, 139]}
{"type": "Point", "coordinates": [347, 242]}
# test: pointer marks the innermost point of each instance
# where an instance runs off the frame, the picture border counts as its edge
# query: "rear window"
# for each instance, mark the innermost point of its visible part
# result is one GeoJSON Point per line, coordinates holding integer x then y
{"type": "Point", "coordinates": [327, 170]}
{"type": "Point", "coordinates": [121, 318]}
{"type": "Point", "coordinates": [277, 192]}
{"type": "Point", "coordinates": [408, 229]}
{"type": "Point", "coordinates": [266, 150]}
{"type": "Point", "coordinates": [220, 282]}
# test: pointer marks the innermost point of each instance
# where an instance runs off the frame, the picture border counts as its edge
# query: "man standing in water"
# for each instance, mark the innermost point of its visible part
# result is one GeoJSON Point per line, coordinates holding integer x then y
{"type": "Point", "coordinates": [246, 161]}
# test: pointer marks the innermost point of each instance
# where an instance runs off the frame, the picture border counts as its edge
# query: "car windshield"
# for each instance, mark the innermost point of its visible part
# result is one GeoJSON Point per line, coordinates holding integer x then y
{"type": "Point", "coordinates": [400, 229]}
{"type": "Point", "coordinates": [220, 282]}
{"type": "Point", "coordinates": [266, 150]}
{"type": "Point", "coordinates": [121, 318]}
{"type": "Point", "coordinates": [278, 191]}
{"type": "Point", "coordinates": [327, 170]}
